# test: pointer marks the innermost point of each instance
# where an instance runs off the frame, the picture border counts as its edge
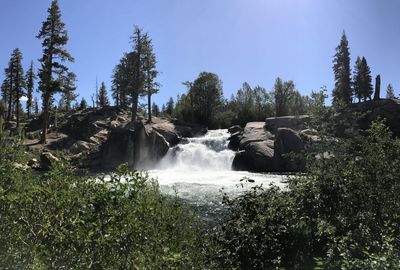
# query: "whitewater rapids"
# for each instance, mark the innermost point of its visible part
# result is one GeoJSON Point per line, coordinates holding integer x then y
{"type": "Point", "coordinates": [199, 170]}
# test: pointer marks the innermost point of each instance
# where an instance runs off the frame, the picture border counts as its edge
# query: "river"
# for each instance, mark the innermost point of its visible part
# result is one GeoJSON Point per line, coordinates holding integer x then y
{"type": "Point", "coordinates": [198, 170]}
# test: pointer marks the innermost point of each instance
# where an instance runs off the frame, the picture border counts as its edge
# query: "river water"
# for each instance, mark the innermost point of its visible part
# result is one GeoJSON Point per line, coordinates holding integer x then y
{"type": "Point", "coordinates": [198, 170]}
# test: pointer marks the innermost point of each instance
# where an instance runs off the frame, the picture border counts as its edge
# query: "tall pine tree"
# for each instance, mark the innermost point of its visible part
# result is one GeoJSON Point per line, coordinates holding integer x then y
{"type": "Point", "coordinates": [16, 83]}
{"type": "Point", "coordinates": [30, 84]}
{"type": "Point", "coordinates": [103, 98]}
{"type": "Point", "coordinates": [390, 92]}
{"type": "Point", "coordinates": [54, 37]}
{"type": "Point", "coordinates": [367, 88]}
{"type": "Point", "coordinates": [150, 73]}
{"type": "Point", "coordinates": [362, 81]}
{"type": "Point", "coordinates": [68, 91]}
{"type": "Point", "coordinates": [342, 93]}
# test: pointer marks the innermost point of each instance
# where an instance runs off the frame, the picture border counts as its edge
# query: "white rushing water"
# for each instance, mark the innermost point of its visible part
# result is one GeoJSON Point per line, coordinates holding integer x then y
{"type": "Point", "coordinates": [198, 169]}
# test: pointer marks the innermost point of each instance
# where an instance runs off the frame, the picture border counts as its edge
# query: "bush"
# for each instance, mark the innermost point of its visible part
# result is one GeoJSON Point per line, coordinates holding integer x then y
{"type": "Point", "coordinates": [61, 221]}
{"type": "Point", "coordinates": [344, 214]}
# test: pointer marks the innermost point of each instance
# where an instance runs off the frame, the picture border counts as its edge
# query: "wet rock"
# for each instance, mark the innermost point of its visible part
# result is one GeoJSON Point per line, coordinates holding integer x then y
{"type": "Point", "coordinates": [257, 157]}
{"type": "Point", "coordinates": [235, 129]}
{"type": "Point", "coordinates": [47, 160]}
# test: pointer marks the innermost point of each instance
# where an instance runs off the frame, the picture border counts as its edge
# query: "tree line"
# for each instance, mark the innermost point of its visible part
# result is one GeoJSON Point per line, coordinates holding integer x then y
{"type": "Point", "coordinates": [204, 102]}
{"type": "Point", "coordinates": [359, 86]}
{"type": "Point", "coordinates": [134, 77]}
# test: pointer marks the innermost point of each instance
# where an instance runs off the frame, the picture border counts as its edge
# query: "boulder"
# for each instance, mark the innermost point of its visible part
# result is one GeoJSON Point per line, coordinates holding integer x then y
{"type": "Point", "coordinates": [297, 123]}
{"type": "Point", "coordinates": [254, 132]}
{"type": "Point", "coordinates": [150, 147]}
{"type": "Point", "coordinates": [118, 149]}
{"type": "Point", "coordinates": [80, 146]}
{"type": "Point", "coordinates": [257, 156]}
{"type": "Point", "coordinates": [167, 130]}
{"type": "Point", "coordinates": [235, 129]}
{"type": "Point", "coordinates": [234, 141]}
{"type": "Point", "coordinates": [288, 142]}
{"type": "Point", "coordinates": [47, 160]}
{"type": "Point", "coordinates": [33, 163]}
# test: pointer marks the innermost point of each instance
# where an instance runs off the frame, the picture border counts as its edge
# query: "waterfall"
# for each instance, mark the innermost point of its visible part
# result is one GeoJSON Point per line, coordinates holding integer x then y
{"type": "Point", "coordinates": [207, 153]}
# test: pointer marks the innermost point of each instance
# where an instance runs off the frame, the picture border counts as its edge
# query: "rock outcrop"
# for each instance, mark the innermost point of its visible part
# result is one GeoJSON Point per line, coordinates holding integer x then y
{"type": "Point", "coordinates": [47, 160]}
{"type": "Point", "coordinates": [293, 122]}
{"type": "Point", "coordinates": [266, 147]}
{"type": "Point", "coordinates": [105, 138]}
{"type": "Point", "coordinates": [288, 142]}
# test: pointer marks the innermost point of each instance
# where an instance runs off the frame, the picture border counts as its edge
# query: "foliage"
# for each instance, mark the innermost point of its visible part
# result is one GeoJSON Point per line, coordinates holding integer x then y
{"type": "Point", "coordinates": [343, 214]}
{"type": "Point", "coordinates": [103, 98]}
{"type": "Point", "coordinates": [362, 81]}
{"type": "Point", "coordinates": [30, 78]}
{"type": "Point", "coordinates": [61, 221]}
{"type": "Point", "coordinates": [83, 104]}
{"type": "Point", "coordinates": [53, 72]}
{"type": "Point", "coordinates": [390, 91]}
{"type": "Point", "coordinates": [342, 93]}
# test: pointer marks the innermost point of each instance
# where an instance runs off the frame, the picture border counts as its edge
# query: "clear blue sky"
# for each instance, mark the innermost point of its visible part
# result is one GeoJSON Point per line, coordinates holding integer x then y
{"type": "Point", "coordinates": [240, 40]}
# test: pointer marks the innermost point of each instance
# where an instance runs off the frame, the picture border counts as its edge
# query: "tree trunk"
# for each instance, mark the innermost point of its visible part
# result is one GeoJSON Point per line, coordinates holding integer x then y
{"type": "Point", "coordinates": [149, 107]}
{"type": "Point", "coordinates": [9, 113]}
{"type": "Point", "coordinates": [17, 112]}
{"type": "Point", "coordinates": [45, 118]}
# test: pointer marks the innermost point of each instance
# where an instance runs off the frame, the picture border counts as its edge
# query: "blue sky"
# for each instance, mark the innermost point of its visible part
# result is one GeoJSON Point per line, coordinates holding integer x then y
{"type": "Point", "coordinates": [240, 40]}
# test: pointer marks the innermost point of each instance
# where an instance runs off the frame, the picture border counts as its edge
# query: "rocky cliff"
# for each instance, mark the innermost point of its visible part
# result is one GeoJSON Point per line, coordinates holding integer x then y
{"type": "Point", "coordinates": [105, 138]}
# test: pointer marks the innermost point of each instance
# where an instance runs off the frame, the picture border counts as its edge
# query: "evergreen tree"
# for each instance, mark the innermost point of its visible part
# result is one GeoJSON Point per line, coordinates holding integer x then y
{"type": "Point", "coordinates": [36, 106]}
{"type": "Point", "coordinates": [5, 92]}
{"type": "Point", "coordinates": [154, 109]}
{"type": "Point", "coordinates": [390, 92]}
{"type": "Point", "coordinates": [54, 37]}
{"type": "Point", "coordinates": [357, 79]}
{"type": "Point", "coordinates": [342, 93]}
{"type": "Point", "coordinates": [169, 107]}
{"type": "Point", "coordinates": [68, 94]}
{"type": "Point", "coordinates": [30, 84]}
{"type": "Point", "coordinates": [135, 63]}
{"type": "Point", "coordinates": [83, 104]}
{"type": "Point", "coordinates": [103, 98]}
{"type": "Point", "coordinates": [15, 78]}
{"type": "Point", "coordinates": [367, 88]}
{"type": "Point", "coordinates": [150, 73]}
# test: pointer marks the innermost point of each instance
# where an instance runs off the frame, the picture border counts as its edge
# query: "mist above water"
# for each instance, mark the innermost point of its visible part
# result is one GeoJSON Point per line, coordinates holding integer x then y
{"type": "Point", "coordinates": [198, 169]}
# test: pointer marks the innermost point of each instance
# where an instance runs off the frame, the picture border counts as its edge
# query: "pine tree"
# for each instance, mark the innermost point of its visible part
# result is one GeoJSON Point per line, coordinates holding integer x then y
{"type": "Point", "coordinates": [357, 80]}
{"type": "Point", "coordinates": [342, 93]}
{"type": "Point", "coordinates": [30, 84]}
{"type": "Point", "coordinates": [5, 92]}
{"type": "Point", "coordinates": [36, 106]}
{"type": "Point", "coordinates": [150, 73]}
{"type": "Point", "coordinates": [68, 91]}
{"type": "Point", "coordinates": [54, 37]}
{"type": "Point", "coordinates": [154, 109]}
{"type": "Point", "coordinates": [116, 85]}
{"type": "Point", "coordinates": [14, 76]}
{"type": "Point", "coordinates": [136, 62]}
{"type": "Point", "coordinates": [83, 104]}
{"type": "Point", "coordinates": [367, 88]}
{"type": "Point", "coordinates": [169, 107]}
{"type": "Point", "coordinates": [103, 98]}
{"type": "Point", "coordinates": [390, 92]}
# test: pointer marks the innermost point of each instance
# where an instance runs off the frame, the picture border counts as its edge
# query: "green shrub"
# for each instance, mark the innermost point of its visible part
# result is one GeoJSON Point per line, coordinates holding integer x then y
{"type": "Point", "coordinates": [62, 221]}
{"type": "Point", "coordinates": [344, 214]}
